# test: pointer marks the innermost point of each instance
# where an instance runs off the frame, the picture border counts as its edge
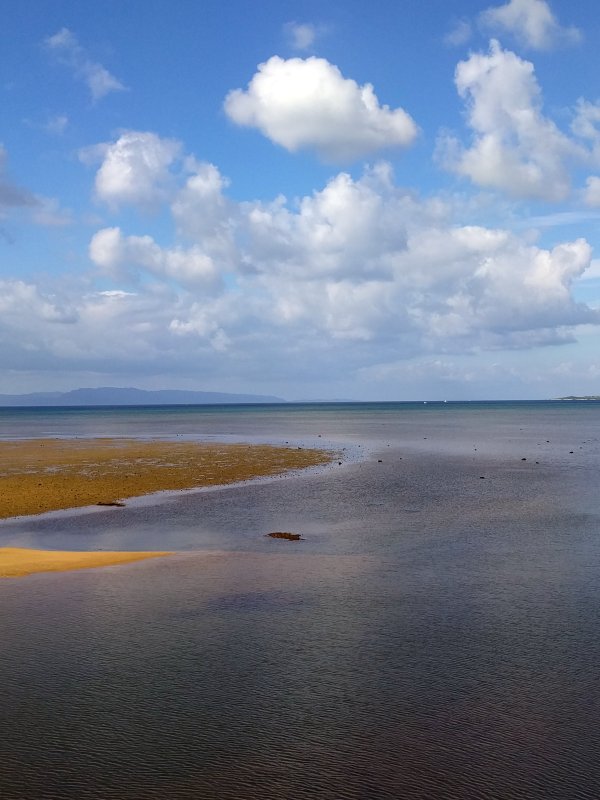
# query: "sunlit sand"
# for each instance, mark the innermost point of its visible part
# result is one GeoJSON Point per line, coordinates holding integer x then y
{"type": "Point", "coordinates": [16, 562]}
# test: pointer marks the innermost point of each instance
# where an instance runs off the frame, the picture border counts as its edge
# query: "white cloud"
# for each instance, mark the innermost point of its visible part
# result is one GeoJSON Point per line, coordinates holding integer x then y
{"type": "Point", "coordinates": [515, 147]}
{"type": "Point", "coordinates": [365, 261]}
{"type": "Point", "coordinates": [106, 332]}
{"type": "Point", "coordinates": [202, 212]}
{"type": "Point", "coordinates": [360, 271]}
{"type": "Point", "coordinates": [587, 120]}
{"type": "Point", "coordinates": [202, 322]}
{"type": "Point", "coordinates": [586, 125]}
{"type": "Point", "coordinates": [66, 48]}
{"type": "Point", "coordinates": [591, 194]}
{"type": "Point", "coordinates": [30, 319]}
{"type": "Point", "coordinates": [531, 22]}
{"type": "Point", "coordinates": [308, 104]}
{"type": "Point", "coordinates": [349, 229]}
{"type": "Point", "coordinates": [301, 35]}
{"type": "Point", "coordinates": [361, 261]}
{"type": "Point", "coordinates": [134, 169]}
{"type": "Point", "coordinates": [113, 253]}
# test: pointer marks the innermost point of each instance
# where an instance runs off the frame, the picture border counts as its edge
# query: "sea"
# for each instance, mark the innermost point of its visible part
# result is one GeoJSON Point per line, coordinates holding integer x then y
{"type": "Point", "coordinates": [434, 636]}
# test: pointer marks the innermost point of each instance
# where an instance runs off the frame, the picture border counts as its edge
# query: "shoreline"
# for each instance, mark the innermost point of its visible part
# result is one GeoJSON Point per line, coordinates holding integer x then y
{"type": "Point", "coordinates": [38, 476]}
{"type": "Point", "coordinates": [19, 562]}
{"type": "Point", "coordinates": [43, 475]}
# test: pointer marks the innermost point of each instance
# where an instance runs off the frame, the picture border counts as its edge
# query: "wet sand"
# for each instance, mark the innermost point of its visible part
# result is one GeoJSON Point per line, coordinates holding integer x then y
{"type": "Point", "coordinates": [16, 562]}
{"type": "Point", "coordinates": [39, 475]}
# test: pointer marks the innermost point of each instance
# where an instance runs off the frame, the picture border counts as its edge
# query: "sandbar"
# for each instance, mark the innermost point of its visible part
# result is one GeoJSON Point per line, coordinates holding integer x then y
{"type": "Point", "coordinates": [39, 475]}
{"type": "Point", "coordinates": [16, 562]}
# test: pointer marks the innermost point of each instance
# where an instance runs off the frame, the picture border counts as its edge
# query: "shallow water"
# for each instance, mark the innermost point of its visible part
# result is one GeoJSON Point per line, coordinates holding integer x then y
{"type": "Point", "coordinates": [436, 635]}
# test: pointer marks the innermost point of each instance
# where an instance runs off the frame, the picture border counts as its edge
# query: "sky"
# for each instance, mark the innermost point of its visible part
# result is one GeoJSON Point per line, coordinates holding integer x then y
{"type": "Point", "coordinates": [345, 200]}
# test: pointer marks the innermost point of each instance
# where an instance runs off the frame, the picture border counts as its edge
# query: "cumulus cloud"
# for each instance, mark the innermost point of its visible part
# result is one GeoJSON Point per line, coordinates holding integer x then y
{"type": "Point", "coordinates": [348, 229]}
{"type": "Point", "coordinates": [515, 147]}
{"type": "Point", "coordinates": [202, 322]}
{"type": "Point", "coordinates": [82, 330]}
{"type": "Point", "coordinates": [112, 332]}
{"type": "Point", "coordinates": [66, 49]}
{"type": "Point", "coordinates": [113, 253]}
{"type": "Point", "coordinates": [359, 270]}
{"type": "Point", "coordinates": [365, 261]}
{"type": "Point", "coordinates": [30, 319]}
{"type": "Point", "coordinates": [134, 169]}
{"type": "Point", "coordinates": [308, 104]}
{"type": "Point", "coordinates": [586, 121]}
{"type": "Point", "coordinates": [531, 22]}
{"type": "Point", "coordinates": [19, 299]}
{"type": "Point", "coordinates": [202, 212]}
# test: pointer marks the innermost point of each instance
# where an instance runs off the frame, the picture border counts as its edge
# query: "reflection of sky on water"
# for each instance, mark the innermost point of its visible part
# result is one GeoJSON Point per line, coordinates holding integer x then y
{"type": "Point", "coordinates": [435, 631]}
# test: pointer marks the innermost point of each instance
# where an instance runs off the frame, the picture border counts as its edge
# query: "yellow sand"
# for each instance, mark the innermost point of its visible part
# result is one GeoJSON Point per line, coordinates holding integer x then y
{"type": "Point", "coordinates": [15, 562]}
{"type": "Point", "coordinates": [40, 475]}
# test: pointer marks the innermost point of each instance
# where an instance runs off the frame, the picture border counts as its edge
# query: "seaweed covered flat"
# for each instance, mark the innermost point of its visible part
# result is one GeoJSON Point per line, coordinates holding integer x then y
{"type": "Point", "coordinates": [39, 475]}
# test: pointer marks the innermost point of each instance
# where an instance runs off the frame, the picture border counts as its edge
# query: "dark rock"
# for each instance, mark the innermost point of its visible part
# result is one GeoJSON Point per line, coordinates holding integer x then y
{"type": "Point", "coordinates": [290, 537]}
{"type": "Point", "coordinates": [117, 503]}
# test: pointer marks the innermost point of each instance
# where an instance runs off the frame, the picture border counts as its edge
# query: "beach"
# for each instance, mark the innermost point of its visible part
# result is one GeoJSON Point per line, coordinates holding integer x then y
{"type": "Point", "coordinates": [43, 475]}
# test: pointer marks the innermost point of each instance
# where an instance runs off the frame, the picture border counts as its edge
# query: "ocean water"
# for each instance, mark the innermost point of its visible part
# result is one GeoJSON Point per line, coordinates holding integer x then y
{"type": "Point", "coordinates": [435, 635]}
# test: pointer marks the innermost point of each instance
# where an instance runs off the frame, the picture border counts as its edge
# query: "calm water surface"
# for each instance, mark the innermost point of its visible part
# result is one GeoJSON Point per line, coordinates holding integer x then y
{"type": "Point", "coordinates": [436, 635]}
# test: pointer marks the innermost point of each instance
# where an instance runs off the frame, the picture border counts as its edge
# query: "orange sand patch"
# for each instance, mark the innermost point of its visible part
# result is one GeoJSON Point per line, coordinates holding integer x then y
{"type": "Point", "coordinates": [16, 562]}
{"type": "Point", "coordinates": [39, 475]}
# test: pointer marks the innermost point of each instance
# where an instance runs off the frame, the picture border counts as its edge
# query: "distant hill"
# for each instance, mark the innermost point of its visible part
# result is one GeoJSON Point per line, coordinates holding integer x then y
{"type": "Point", "coordinates": [113, 396]}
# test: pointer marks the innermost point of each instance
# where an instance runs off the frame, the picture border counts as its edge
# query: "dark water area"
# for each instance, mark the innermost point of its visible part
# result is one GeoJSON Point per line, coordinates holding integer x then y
{"type": "Point", "coordinates": [435, 635]}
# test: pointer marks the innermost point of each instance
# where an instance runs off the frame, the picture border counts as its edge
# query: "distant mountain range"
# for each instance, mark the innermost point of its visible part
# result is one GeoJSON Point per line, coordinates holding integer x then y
{"type": "Point", "coordinates": [113, 396]}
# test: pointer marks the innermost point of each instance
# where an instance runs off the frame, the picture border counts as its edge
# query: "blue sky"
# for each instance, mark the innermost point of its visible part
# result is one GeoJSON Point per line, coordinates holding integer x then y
{"type": "Point", "coordinates": [363, 200]}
